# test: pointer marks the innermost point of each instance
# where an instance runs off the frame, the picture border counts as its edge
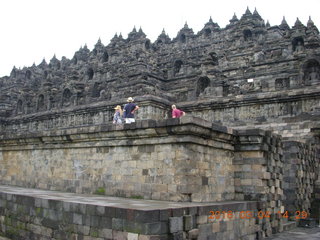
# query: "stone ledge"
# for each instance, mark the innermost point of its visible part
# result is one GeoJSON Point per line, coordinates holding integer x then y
{"type": "Point", "coordinates": [92, 107]}
{"type": "Point", "coordinates": [31, 212]}
{"type": "Point", "coordinates": [252, 99]}
{"type": "Point", "coordinates": [184, 126]}
{"type": "Point", "coordinates": [132, 209]}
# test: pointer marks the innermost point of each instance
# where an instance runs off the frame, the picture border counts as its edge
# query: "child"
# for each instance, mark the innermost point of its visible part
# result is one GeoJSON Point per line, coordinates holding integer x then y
{"type": "Point", "coordinates": [117, 117]}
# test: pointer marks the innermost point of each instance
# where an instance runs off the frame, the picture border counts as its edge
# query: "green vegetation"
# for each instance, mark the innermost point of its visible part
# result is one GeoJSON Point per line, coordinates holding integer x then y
{"type": "Point", "coordinates": [100, 191]}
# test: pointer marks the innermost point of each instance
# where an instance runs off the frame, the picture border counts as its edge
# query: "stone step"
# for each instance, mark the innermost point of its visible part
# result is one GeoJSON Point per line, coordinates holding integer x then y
{"type": "Point", "coordinates": [43, 214]}
{"type": "Point", "coordinates": [289, 225]}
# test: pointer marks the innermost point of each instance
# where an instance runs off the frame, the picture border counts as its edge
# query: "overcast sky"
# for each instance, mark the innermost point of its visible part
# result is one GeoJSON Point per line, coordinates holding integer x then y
{"type": "Point", "coordinates": [32, 30]}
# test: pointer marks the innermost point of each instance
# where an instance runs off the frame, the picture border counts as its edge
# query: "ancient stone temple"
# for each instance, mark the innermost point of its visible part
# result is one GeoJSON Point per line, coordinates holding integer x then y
{"type": "Point", "coordinates": [247, 148]}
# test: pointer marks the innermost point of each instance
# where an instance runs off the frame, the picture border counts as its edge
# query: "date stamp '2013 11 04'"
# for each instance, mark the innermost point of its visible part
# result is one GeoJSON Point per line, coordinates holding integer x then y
{"type": "Point", "coordinates": [219, 215]}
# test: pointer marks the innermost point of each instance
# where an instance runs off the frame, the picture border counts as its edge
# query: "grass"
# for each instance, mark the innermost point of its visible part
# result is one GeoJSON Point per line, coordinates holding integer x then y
{"type": "Point", "coordinates": [100, 191]}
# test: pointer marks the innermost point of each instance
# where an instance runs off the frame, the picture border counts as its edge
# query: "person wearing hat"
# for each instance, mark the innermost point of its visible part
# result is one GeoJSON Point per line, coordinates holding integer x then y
{"type": "Point", "coordinates": [129, 109]}
{"type": "Point", "coordinates": [117, 115]}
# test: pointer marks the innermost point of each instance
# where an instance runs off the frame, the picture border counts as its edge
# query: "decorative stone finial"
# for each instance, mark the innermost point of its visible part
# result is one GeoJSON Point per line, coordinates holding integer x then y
{"type": "Point", "coordinates": [141, 33]}
{"type": "Point", "coordinates": [310, 22]}
{"type": "Point", "coordinates": [267, 24]}
{"type": "Point", "coordinates": [248, 11]}
{"type": "Point", "coordinates": [284, 25]}
{"type": "Point", "coordinates": [298, 23]}
{"type": "Point", "coordinates": [234, 18]}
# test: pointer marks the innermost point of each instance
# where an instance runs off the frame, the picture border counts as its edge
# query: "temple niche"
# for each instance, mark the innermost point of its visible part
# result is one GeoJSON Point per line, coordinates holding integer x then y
{"type": "Point", "coordinates": [66, 98]}
{"type": "Point", "coordinates": [202, 84]}
{"type": "Point", "coordinates": [41, 104]}
{"type": "Point", "coordinates": [311, 72]}
{"type": "Point", "coordinates": [298, 44]}
{"type": "Point", "coordinates": [247, 35]}
{"type": "Point", "coordinates": [19, 107]}
{"type": "Point", "coordinates": [90, 73]}
{"type": "Point", "coordinates": [28, 74]}
{"type": "Point", "coordinates": [177, 67]}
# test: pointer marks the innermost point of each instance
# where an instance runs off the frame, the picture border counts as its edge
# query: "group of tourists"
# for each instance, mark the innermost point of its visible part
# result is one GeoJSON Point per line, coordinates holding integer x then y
{"type": "Point", "coordinates": [126, 115]}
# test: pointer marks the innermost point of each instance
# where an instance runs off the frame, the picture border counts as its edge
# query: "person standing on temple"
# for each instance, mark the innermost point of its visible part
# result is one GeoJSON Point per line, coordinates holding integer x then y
{"type": "Point", "coordinates": [177, 113]}
{"type": "Point", "coordinates": [129, 109]}
{"type": "Point", "coordinates": [117, 117]}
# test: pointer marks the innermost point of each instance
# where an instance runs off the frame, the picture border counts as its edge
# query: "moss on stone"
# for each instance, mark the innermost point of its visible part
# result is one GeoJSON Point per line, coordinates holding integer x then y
{"type": "Point", "coordinates": [100, 191]}
{"type": "Point", "coordinates": [136, 197]}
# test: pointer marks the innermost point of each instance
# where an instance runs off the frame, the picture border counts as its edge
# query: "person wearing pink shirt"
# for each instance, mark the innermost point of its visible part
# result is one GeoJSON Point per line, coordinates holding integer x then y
{"type": "Point", "coordinates": [177, 113]}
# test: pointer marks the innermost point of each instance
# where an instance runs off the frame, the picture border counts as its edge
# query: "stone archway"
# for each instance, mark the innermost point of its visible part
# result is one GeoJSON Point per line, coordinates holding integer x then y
{"type": "Point", "coordinates": [90, 73]}
{"type": "Point", "coordinates": [297, 44]}
{"type": "Point", "coordinates": [66, 97]}
{"type": "Point", "coordinates": [40, 103]}
{"type": "Point", "coordinates": [247, 35]}
{"type": "Point", "coordinates": [183, 38]}
{"type": "Point", "coordinates": [19, 107]}
{"type": "Point", "coordinates": [202, 84]}
{"type": "Point", "coordinates": [311, 71]}
{"type": "Point", "coordinates": [177, 67]}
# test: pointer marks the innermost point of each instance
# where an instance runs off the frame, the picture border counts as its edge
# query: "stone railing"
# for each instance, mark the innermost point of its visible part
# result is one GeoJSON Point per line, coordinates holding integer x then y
{"type": "Point", "coordinates": [93, 114]}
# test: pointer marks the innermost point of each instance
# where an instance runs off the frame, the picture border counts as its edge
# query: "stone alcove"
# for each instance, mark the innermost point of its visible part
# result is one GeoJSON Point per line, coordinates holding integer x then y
{"type": "Point", "coordinates": [28, 74]}
{"type": "Point", "coordinates": [297, 44]}
{"type": "Point", "coordinates": [90, 73]}
{"type": "Point", "coordinates": [66, 97]}
{"type": "Point", "coordinates": [207, 32]}
{"type": "Point", "coordinates": [177, 67]}
{"type": "Point", "coordinates": [40, 103]}
{"type": "Point", "coordinates": [19, 107]}
{"type": "Point", "coordinates": [105, 57]}
{"type": "Point", "coordinates": [183, 38]}
{"type": "Point", "coordinates": [311, 71]}
{"type": "Point", "coordinates": [247, 35]}
{"type": "Point", "coordinates": [202, 84]}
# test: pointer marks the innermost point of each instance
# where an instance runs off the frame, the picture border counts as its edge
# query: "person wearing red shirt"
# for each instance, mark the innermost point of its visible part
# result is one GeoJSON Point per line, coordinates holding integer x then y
{"type": "Point", "coordinates": [177, 113]}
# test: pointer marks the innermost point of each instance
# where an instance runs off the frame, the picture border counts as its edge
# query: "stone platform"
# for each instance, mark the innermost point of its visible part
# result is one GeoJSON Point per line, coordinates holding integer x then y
{"type": "Point", "coordinates": [41, 214]}
{"type": "Point", "coordinates": [298, 233]}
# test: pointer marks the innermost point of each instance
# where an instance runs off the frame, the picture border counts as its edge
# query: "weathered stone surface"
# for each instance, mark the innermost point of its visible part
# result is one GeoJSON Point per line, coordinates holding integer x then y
{"type": "Point", "coordinates": [260, 81]}
{"type": "Point", "coordinates": [183, 166]}
{"type": "Point", "coordinates": [176, 224]}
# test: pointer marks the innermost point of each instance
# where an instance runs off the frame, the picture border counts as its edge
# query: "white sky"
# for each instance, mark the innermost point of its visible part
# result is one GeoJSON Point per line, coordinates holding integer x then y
{"type": "Point", "coordinates": [35, 29]}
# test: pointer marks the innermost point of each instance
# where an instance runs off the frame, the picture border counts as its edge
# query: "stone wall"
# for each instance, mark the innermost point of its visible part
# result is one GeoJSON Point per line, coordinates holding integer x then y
{"type": "Point", "coordinates": [186, 159]}
{"type": "Point", "coordinates": [176, 159]}
{"type": "Point", "coordinates": [301, 171]}
{"type": "Point", "coordinates": [35, 214]}
{"type": "Point", "coordinates": [291, 115]}
{"type": "Point", "coordinates": [258, 173]}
